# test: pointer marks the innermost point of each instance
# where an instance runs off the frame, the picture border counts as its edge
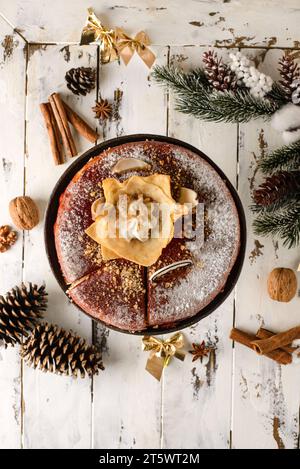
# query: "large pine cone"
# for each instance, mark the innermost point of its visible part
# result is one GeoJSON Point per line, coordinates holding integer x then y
{"type": "Point", "coordinates": [19, 311]}
{"type": "Point", "coordinates": [279, 185]}
{"type": "Point", "coordinates": [81, 80]}
{"type": "Point", "coordinates": [50, 348]}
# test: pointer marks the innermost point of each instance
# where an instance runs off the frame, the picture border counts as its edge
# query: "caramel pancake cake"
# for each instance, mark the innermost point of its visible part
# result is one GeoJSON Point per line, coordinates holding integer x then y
{"type": "Point", "coordinates": [133, 281]}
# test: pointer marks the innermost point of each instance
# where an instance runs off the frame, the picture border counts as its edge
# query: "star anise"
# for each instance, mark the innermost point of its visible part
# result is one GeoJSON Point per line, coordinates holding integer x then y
{"type": "Point", "coordinates": [102, 109]}
{"type": "Point", "coordinates": [200, 351]}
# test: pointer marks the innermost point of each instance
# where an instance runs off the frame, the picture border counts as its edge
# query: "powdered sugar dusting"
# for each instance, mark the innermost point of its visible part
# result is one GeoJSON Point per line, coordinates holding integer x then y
{"type": "Point", "coordinates": [213, 260]}
{"type": "Point", "coordinates": [114, 294]}
{"type": "Point", "coordinates": [74, 215]}
{"type": "Point", "coordinates": [197, 286]}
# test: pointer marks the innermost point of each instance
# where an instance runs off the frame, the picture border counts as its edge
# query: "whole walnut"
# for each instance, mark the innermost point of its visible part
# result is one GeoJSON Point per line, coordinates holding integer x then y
{"type": "Point", "coordinates": [24, 212]}
{"type": "Point", "coordinates": [282, 284]}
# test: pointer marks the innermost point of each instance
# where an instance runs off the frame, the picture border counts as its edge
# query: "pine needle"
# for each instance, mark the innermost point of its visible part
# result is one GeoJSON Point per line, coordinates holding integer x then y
{"type": "Point", "coordinates": [285, 223]}
{"type": "Point", "coordinates": [179, 81]}
{"type": "Point", "coordinates": [284, 158]}
{"type": "Point", "coordinates": [284, 202]}
{"type": "Point", "coordinates": [277, 94]}
{"type": "Point", "coordinates": [196, 97]}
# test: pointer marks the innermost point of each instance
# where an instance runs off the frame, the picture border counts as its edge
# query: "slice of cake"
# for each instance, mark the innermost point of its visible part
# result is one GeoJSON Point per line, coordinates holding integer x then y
{"type": "Point", "coordinates": [114, 294]}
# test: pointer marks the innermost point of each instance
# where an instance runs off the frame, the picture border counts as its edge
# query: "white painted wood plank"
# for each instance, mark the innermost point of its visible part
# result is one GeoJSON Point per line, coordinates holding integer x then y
{"type": "Point", "coordinates": [197, 397]}
{"type": "Point", "coordinates": [127, 402]}
{"type": "Point", "coordinates": [266, 396]}
{"type": "Point", "coordinates": [57, 409]}
{"type": "Point", "coordinates": [168, 22]}
{"type": "Point", "coordinates": [12, 105]}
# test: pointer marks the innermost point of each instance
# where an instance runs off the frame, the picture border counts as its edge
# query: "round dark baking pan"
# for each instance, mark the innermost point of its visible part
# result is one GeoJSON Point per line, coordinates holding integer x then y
{"type": "Point", "coordinates": [78, 164]}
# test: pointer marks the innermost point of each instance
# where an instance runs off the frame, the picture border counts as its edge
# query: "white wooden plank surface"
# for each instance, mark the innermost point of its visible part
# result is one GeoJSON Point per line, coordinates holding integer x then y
{"type": "Point", "coordinates": [197, 410]}
{"type": "Point", "coordinates": [195, 405]}
{"type": "Point", "coordinates": [57, 409]}
{"type": "Point", "coordinates": [168, 22]}
{"type": "Point", "coordinates": [127, 403]}
{"type": "Point", "coordinates": [12, 105]}
{"type": "Point", "coordinates": [266, 396]}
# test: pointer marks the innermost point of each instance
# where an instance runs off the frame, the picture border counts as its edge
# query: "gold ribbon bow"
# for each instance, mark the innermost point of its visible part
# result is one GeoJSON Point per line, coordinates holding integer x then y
{"type": "Point", "coordinates": [127, 45]}
{"type": "Point", "coordinates": [161, 352]}
{"type": "Point", "coordinates": [94, 31]}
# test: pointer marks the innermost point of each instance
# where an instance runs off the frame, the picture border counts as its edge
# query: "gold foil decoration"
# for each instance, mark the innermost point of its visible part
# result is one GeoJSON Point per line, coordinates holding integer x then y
{"type": "Point", "coordinates": [161, 352]}
{"type": "Point", "coordinates": [116, 43]}
{"type": "Point", "coordinates": [94, 31]}
{"type": "Point", "coordinates": [127, 45]}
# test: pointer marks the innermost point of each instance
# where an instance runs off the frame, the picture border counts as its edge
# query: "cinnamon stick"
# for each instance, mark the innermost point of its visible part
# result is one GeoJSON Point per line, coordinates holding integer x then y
{"type": "Point", "coordinates": [265, 346]}
{"type": "Point", "coordinates": [53, 132]}
{"type": "Point", "coordinates": [80, 125]}
{"type": "Point", "coordinates": [265, 334]}
{"type": "Point", "coordinates": [62, 122]}
{"type": "Point", "coordinates": [280, 356]}
{"type": "Point", "coordinates": [242, 337]}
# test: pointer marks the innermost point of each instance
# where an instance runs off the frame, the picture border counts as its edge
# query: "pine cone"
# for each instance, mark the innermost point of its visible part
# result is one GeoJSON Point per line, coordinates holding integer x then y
{"type": "Point", "coordinates": [7, 237]}
{"type": "Point", "coordinates": [50, 348]}
{"type": "Point", "coordinates": [289, 71]}
{"type": "Point", "coordinates": [218, 74]}
{"type": "Point", "coordinates": [19, 311]}
{"type": "Point", "coordinates": [295, 87]}
{"type": "Point", "coordinates": [277, 186]}
{"type": "Point", "coordinates": [81, 80]}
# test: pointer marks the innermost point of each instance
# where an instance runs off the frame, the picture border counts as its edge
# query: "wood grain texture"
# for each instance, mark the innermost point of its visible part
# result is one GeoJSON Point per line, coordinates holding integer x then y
{"type": "Point", "coordinates": [127, 402]}
{"type": "Point", "coordinates": [236, 398]}
{"type": "Point", "coordinates": [196, 413]}
{"type": "Point", "coordinates": [266, 396]}
{"type": "Point", "coordinates": [12, 100]}
{"type": "Point", "coordinates": [210, 22]}
{"type": "Point", "coordinates": [57, 409]}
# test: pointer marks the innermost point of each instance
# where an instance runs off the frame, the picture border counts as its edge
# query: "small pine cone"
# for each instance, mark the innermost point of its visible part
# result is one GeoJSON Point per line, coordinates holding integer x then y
{"type": "Point", "coordinates": [81, 80]}
{"type": "Point", "coordinates": [19, 311]}
{"type": "Point", "coordinates": [50, 348]}
{"type": "Point", "coordinates": [8, 237]}
{"type": "Point", "coordinates": [289, 71]}
{"type": "Point", "coordinates": [295, 87]}
{"type": "Point", "coordinates": [277, 186]}
{"type": "Point", "coordinates": [218, 74]}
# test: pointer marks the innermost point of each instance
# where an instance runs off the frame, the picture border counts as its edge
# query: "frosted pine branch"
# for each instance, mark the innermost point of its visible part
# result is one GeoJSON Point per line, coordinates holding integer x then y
{"type": "Point", "coordinates": [196, 97]}
{"type": "Point", "coordinates": [284, 223]}
{"type": "Point", "coordinates": [284, 158]}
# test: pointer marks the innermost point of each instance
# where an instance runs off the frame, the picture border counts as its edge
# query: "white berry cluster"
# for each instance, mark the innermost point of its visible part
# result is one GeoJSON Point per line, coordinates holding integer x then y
{"type": "Point", "coordinates": [258, 83]}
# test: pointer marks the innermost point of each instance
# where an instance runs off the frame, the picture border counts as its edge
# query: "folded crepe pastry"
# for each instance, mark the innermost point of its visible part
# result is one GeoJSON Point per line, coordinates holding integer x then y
{"type": "Point", "coordinates": [136, 220]}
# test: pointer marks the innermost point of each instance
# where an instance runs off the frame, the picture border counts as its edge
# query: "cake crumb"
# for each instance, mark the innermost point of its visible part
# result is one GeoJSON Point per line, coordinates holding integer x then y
{"type": "Point", "coordinates": [128, 279]}
{"type": "Point", "coordinates": [93, 251]}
